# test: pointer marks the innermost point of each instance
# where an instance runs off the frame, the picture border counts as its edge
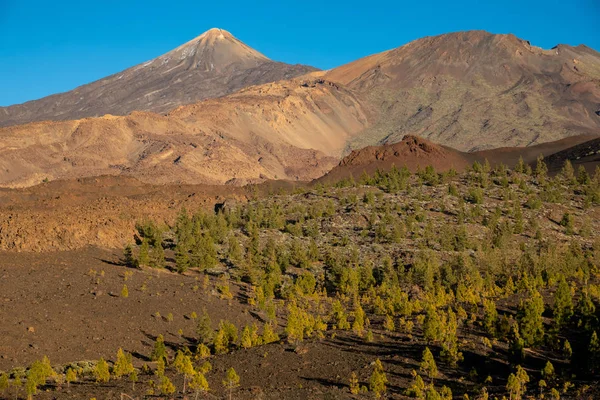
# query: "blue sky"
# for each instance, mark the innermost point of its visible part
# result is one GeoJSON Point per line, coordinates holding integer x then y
{"type": "Point", "coordinates": [48, 47]}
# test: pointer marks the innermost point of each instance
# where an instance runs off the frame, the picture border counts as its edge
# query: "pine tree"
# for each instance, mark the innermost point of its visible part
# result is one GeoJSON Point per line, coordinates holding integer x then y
{"type": "Point", "coordinates": [101, 371]}
{"type": "Point", "coordinates": [234, 252]}
{"type": "Point", "coordinates": [269, 336]}
{"type": "Point", "coordinates": [516, 385]}
{"type": "Point", "coordinates": [221, 342]}
{"type": "Point", "coordinates": [160, 350]}
{"type": "Point", "coordinates": [428, 366]}
{"type": "Point", "coordinates": [3, 382]}
{"type": "Point", "coordinates": [358, 325]}
{"type": "Point", "coordinates": [199, 384]}
{"type": "Point", "coordinates": [124, 292]}
{"type": "Point", "coordinates": [531, 324]}
{"type": "Point", "coordinates": [548, 371]}
{"type": "Point", "coordinates": [541, 169]}
{"type": "Point", "coordinates": [144, 255]}
{"type": "Point", "coordinates": [133, 378]}
{"type": "Point", "coordinates": [449, 338]}
{"type": "Point", "coordinates": [490, 316]}
{"type": "Point", "coordinates": [389, 324]}
{"type": "Point", "coordinates": [354, 385]}
{"type": "Point", "coordinates": [563, 302]}
{"type": "Point", "coordinates": [182, 258]}
{"type": "Point", "coordinates": [166, 386]}
{"type": "Point", "coordinates": [582, 176]}
{"type": "Point", "coordinates": [160, 367]}
{"type": "Point", "coordinates": [123, 365]}
{"type": "Point", "coordinates": [202, 351]}
{"type": "Point", "coordinates": [567, 350]}
{"type": "Point", "coordinates": [417, 388]}
{"type": "Point", "coordinates": [568, 172]}
{"type": "Point", "coordinates": [294, 327]}
{"type": "Point", "coordinates": [183, 365]}
{"type": "Point", "coordinates": [567, 223]}
{"type": "Point", "coordinates": [231, 381]}
{"type": "Point", "coordinates": [431, 325]}
{"type": "Point", "coordinates": [128, 258]}
{"type": "Point", "coordinates": [157, 256]}
{"type": "Point", "coordinates": [246, 341]}
{"type": "Point", "coordinates": [37, 375]}
{"type": "Point", "coordinates": [204, 329]}
{"type": "Point", "coordinates": [378, 380]}
{"type": "Point", "coordinates": [520, 167]}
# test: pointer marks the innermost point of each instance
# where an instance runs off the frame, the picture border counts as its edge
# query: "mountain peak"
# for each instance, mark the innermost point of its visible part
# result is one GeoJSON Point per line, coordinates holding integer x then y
{"type": "Point", "coordinates": [214, 50]}
{"type": "Point", "coordinates": [215, 34]}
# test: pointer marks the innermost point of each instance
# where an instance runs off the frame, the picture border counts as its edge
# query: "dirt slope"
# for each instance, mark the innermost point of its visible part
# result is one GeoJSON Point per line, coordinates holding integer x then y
{"type": "Point", "coordinates": [212, 65]}
{"type": "Point", "coordinates": [100, 211]}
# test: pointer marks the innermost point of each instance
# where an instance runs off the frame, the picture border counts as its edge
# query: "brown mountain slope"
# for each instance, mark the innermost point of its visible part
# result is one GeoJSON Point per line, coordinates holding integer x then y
{"type": "Point", "coordinates": [475, 90]}
{"type": "Point", "coordinates": [415, 152]}
{"type": "Point", "coordinates": [289, 130]}
{"type": "Point", "coordinates": [212, 65]}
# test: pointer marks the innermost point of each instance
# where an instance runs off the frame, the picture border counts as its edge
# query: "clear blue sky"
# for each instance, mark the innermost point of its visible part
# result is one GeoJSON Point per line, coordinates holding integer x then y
{"type": "Point", "coordinates": [53, 46]}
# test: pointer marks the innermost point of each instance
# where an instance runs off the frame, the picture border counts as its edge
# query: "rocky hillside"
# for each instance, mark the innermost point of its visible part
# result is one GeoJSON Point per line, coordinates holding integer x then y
{"type": "Point", "coordinates": [293, 130]}
{"type": "Point", "coordinates": [212, 65]}
{"type": "Point", "coordinates": [475, 90]}
{"type": "Point", "coordinates": [412, 152]}
{"type": "Point", "coordinates": [417, 153]}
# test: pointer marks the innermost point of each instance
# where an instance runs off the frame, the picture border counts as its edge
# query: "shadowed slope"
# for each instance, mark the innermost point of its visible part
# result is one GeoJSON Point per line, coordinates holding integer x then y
{"type": "Point", "coordinates": [586, 154]}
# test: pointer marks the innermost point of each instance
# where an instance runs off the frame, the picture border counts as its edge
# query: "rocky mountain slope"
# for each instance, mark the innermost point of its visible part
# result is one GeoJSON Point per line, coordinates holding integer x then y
{"type": "Point", "coordinates": [293, 130]}
{"type": "Point", "coordinates": [416, 153]}
{"type": "Point", "coordinates": [212, 65]}
{"type": "Point", "coordinates": [475, 90]}
{"type": "Point", "coordinates": [412, 151]}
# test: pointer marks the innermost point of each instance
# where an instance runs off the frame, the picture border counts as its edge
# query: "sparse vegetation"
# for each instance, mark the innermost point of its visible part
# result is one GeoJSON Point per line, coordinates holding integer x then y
{"type": "Point", "coordinates": [472, 268]}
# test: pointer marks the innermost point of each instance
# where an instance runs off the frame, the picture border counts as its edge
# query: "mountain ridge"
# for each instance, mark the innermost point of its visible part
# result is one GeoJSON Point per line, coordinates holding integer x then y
{"type": "Point", "coordinates": [475, 90]}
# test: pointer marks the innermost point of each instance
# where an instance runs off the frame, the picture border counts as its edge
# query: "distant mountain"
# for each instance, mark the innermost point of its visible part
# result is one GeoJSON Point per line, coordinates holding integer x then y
{"type": "Point", "coordinates": [476, 90]}
{"type": "Point", "coordinates": [465, 93]}
{"type": "Point", "coordinates": [212, 65]}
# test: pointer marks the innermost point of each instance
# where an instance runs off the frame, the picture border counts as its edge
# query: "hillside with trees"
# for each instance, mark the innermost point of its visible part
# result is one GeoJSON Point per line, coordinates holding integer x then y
{"type": "Point", "coordinates": [482, 284]}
